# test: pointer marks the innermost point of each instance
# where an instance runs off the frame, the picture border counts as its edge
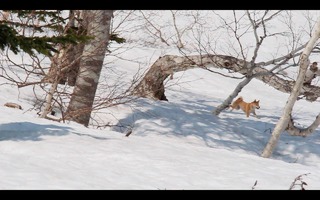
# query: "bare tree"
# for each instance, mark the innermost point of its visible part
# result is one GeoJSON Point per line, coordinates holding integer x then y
{"type": "Point", "coordinates": [158, 87]}
{"type": "Point", "coordinates": [284, 120]}
{"type": "Point", "coordinates": [250, 69]}
{"type": "Point", "coordinates": [65, 64]}
{"type": "Point", "coordinates": [66, 61]}
{"type": "Point", "coordinates": [80, 106]}
{"type": "Point", "coordinates": [152, 86]}
{"type": "Point", "coordinates": [48, 75]}
{"type": "Point", "coordinates": [35, 65]}
{"type": "Point", "coordinates": [254, 22]}
{"type": "Point", "coordinates": [167, 28]}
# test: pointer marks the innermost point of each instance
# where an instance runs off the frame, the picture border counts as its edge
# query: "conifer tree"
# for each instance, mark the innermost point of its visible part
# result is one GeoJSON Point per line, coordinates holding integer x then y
{"type": "Point", "coordinates": [47, 31]}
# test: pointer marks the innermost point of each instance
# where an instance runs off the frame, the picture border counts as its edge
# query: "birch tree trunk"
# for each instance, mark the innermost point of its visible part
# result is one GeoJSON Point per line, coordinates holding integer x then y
{"type": "Point", "coordinates": [49, 98]}
{"type": "Point", "coordinates": [65, 64]}
{"type": "Point", "coordinates": [284, 120]}
{"type": "Point", "coordinates": [80, 105]}
{"type": "Point", "coordinates": [151, 86]}
{"type": "Point", "coordinates": [296, 131]}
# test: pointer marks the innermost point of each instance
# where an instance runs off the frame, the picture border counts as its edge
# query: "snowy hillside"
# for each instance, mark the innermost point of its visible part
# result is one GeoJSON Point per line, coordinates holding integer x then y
{"type": "Point", "coordinates": [177, 144]}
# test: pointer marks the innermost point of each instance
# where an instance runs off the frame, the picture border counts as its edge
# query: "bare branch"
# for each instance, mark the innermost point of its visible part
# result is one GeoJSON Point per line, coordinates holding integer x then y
{"type": "Point", "coordinates": [301, 183]}
{"type": "Point", "coordinates": [296, 131]}
{"type": "Point", "coordinates": [155, 28]}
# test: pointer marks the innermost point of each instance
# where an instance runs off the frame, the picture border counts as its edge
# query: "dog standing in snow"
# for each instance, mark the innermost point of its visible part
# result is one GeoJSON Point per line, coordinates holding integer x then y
{"type": "Point", "coordinates": [246, 107]}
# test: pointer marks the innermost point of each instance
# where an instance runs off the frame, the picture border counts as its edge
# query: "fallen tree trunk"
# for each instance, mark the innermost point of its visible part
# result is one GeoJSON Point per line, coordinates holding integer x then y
{"type": "Point", "coordinates": [151, 86]}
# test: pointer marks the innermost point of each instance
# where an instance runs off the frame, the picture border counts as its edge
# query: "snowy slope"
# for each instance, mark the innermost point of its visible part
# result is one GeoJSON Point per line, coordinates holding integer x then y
{"type": "Point", "coordinates": [177, 144]}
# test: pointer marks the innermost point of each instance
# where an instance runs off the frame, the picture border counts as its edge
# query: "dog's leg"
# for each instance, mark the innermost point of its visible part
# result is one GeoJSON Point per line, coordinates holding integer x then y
{"type": "Point", "coordinates": [247, 110]}
{"type": "Point", "coordinates": [255, 115]}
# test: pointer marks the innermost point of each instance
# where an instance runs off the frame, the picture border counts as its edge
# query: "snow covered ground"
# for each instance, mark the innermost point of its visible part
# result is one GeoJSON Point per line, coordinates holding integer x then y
{"type": "Point", "coordinates": [177, 144]}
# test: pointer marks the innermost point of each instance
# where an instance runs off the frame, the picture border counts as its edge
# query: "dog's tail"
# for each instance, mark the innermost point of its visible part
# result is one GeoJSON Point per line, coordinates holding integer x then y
{"type": "Point", "coordinates": [234, 105]}
{"type": "Point", "coordinates": [240, 98]}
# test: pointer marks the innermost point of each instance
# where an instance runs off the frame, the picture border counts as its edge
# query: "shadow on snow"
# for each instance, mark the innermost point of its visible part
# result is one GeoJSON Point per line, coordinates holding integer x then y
{"type": "Point", "coordinates": [22, 131]}
{"type": "Point", "coordinates": [29, 131]}
{"type": "Point", "coordinates": [227, 132]}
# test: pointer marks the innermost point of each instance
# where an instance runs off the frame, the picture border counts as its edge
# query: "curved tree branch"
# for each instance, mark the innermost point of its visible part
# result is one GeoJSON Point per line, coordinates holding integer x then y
{"type": "Point", "coordinates": [296, 131]}
{"type": "Point", "coordinates": [151, 86]}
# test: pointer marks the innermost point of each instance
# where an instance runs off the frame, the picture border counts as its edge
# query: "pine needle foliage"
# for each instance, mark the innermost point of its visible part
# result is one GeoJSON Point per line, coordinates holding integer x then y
{"type": "Point", "coordinates": [13, 32]}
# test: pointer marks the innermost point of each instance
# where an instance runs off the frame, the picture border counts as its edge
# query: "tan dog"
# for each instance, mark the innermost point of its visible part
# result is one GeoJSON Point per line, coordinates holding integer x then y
{"type": "Point", "coordinates": [246, 107]}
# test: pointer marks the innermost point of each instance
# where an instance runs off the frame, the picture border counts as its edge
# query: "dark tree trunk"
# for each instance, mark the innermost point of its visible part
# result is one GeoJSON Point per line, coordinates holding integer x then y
{"type": "Point", "coordinates": [67, 61]}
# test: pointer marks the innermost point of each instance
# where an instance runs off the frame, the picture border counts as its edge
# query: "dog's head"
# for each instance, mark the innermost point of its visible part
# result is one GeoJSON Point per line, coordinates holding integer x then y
{"type": "Point", "coordinates": [256, 104]}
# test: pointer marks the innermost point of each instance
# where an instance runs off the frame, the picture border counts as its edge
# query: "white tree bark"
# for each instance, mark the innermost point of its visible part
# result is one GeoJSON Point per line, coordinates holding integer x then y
{"type": "Point", "coordinates": [284, 120]}
{"type": "Point", "coordinates": [151, 86]}
{"type": "Point", "coordinates": [296, 131]}
{"type": "Point", "coordinates": [49, 99]}
{"type": "Point", "coordinates": [55, 76]}
{"type": "Point", "coordinates": [64, 64]}
{"type": "Point", "coordinates": [80, 106]}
